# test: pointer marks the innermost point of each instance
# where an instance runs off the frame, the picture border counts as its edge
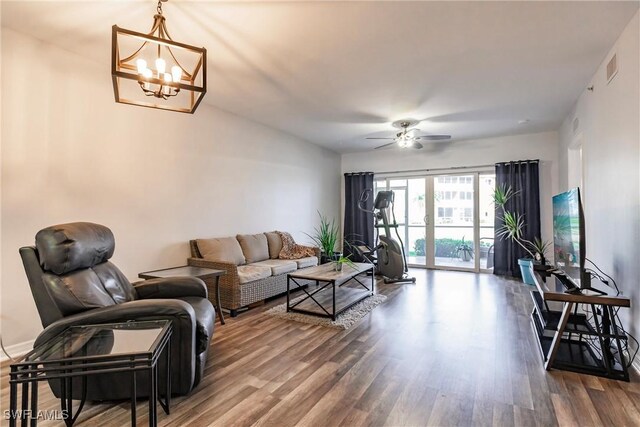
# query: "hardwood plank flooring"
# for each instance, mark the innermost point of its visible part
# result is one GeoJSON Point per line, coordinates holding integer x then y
{"type": "Point", "coordinates": [453, 349]}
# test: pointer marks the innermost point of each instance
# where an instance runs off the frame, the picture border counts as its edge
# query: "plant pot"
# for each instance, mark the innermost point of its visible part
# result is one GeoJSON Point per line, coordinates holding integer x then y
{"type": "Point", "coordinates": [324, 258]}
{"type": "Point", "coordinates": [465, 256]}
{"type": "Point", "coordinates": [526, 270]}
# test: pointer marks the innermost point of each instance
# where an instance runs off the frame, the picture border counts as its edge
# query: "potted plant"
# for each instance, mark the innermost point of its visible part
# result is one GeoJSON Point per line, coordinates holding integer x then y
{"type": "Point", "coordinates": [325, 236]}
{"type": "Point", "coordinates": [464, 251]}
{"type": "Point", "coordinates": [338, 263]}
{"type": "Point", "coordinates": [513, 224]}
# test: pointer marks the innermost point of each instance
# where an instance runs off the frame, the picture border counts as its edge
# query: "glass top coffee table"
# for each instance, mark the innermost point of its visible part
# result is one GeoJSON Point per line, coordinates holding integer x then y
{"type": "Point", "coordinates": [334, 292]}
{"type": "Point", "coordinates": [80, 351]}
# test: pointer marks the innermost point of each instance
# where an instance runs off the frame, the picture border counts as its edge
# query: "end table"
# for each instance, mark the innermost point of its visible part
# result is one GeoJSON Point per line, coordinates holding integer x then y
{"type": "Point", "coordinates": [83, 350]}
{"type": "Point", "coordinates": [187, 270]}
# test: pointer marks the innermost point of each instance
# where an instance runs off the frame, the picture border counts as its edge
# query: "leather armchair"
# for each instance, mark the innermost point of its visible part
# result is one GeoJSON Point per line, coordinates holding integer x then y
{"type": "Point", "coordinates": [73, 283]}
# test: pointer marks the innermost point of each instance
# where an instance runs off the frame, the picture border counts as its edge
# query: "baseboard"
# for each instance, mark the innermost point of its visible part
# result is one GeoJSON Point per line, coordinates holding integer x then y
{"type": "Point", "coordinates": [17, 350]}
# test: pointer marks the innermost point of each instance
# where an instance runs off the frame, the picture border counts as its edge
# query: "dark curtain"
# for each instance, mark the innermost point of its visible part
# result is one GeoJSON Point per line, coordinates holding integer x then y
{"type": "Point", "coordinates": [358, 211]}
{"type": "Point", "coordinates": [523, 178]}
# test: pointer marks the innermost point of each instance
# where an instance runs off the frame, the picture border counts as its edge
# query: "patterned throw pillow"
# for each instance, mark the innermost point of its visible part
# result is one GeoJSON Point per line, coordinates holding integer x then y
{"type": "Point", "coordinates": [291, 250]}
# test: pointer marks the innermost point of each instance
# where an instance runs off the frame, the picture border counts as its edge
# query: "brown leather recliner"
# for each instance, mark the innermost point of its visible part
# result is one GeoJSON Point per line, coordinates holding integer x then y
{"type": "Point", "coordinates": [73, 283]}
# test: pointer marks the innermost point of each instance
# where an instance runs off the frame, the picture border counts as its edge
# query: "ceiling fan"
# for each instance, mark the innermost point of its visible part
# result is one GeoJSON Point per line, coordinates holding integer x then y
{"type": "Point", "coordinates": [408, 138]}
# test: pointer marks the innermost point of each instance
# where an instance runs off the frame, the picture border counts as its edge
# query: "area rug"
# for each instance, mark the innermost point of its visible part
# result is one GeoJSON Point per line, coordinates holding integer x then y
{"type": "Point", "coordinates": [344, 320]}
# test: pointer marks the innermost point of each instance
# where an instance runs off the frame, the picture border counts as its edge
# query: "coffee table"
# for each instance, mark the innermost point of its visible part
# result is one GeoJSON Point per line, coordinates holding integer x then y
{"type": "Point", "coordinates": [80, 351]}
{"type": "Point", "coordinates": [332, 294]}
{"type": "Point", "coordinates": [188, 270]}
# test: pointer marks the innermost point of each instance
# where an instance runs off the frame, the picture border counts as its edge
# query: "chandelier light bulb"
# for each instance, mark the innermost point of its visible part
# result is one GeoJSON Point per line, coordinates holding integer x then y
{"type": "Point", "coordinates": [141, 64]}
{"type": "Point", "coordinates": [176, 73]}
{"type": "Point", "coordinates": [161, 66]}
{"type": "Point", "coordinates": [167, 77]}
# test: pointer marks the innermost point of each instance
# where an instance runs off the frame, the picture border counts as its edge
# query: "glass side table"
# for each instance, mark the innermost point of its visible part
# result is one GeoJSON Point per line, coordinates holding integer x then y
{"type": "Point", "coordinates": [80, 351]}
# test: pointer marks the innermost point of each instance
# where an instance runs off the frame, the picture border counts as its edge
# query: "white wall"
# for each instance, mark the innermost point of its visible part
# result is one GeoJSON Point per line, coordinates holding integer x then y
{"type": "Point", "coordinates": [543, 146]}
{"type": "Point", "coordinates": [609, 128]}
{"type": "Point", "coordinates": [157, 179]}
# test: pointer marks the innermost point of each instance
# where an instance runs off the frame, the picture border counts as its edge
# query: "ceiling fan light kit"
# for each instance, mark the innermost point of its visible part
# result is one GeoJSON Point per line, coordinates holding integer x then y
{"type": "Point", "coordinates": [407, 138]}
{"type": "Point", "coordinates": [152, 70]}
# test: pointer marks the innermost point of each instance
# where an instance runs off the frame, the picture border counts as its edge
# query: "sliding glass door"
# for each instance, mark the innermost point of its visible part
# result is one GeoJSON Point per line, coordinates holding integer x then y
{"type": "Point", "coordinates": [453, 221]}
{"type": "Point", "coordinates": [444, 221]}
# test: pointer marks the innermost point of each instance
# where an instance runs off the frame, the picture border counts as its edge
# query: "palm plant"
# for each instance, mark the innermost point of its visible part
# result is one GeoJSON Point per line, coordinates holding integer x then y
{"type": "Point", "coordinates": [513, 224]}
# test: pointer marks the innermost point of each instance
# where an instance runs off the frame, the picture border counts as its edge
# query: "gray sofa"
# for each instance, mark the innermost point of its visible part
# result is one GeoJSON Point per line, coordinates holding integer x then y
{"type": "Point", "coordinates": [254, 271]}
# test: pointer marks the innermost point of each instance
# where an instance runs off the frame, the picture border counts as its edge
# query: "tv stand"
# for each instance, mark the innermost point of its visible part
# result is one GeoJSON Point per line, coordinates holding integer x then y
{"type": "Point", "coordinates": [572, 341]}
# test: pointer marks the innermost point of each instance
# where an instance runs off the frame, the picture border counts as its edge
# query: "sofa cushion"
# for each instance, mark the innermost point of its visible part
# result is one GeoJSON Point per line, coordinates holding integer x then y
{"type": "Point", "coordinates": [291, 250]}
{"type": "Point", "coordinates": [275, 244]}
{"type": "Point", "coordinates": [250, 273]}
{"type": "Point", "coordinates": [68, 247]}
{"type": "Point", "coordinates": [223, 249]}
{"type": "Point", "coordinates": [278, 266]}
{"type": "Point", "coordinates": [78, 291]}
{"type": "Point", "coordinates": [254, 247]}
{"type": "Point", "coordinates": [310, 261]}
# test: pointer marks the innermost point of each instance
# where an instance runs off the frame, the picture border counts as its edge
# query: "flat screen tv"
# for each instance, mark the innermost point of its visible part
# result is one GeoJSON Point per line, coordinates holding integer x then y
{"type": "Point", "coordinates": [568, 236]}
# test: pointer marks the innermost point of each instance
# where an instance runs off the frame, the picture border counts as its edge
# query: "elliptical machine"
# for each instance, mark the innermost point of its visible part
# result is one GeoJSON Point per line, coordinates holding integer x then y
{"type": "Point", "coordinates": [390, 258]}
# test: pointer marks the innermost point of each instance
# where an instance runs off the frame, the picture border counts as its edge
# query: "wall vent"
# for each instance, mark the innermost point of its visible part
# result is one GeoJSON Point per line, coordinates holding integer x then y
{"type": "Point", "coordinates": [612, 68]}
{"type": "Point", "coordinates": [576, 124]}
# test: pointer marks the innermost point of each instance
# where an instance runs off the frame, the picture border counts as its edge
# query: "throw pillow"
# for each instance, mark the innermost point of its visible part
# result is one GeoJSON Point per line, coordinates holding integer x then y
{"type": "Point", "coordinates": [224, 249]}
{"type": "Point", "coordinates": [254, 247]}
{"type": "Point", "coordinates": [291, 250]}
{"type": "Point", "coordinates": [275, 244]}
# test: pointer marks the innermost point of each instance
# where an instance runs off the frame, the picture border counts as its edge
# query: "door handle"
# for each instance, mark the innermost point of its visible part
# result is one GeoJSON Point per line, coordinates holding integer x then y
{"type": "Point", "coordinates": [426, 219]}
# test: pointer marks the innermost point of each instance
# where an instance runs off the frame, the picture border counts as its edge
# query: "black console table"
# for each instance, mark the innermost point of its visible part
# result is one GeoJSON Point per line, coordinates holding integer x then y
{"type": "Point", "coordinates": [585, 342]}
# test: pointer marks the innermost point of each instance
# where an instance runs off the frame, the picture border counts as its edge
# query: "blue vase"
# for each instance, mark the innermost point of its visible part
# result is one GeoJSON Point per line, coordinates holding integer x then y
{"type": "Point", "coordinates": [526, 269]}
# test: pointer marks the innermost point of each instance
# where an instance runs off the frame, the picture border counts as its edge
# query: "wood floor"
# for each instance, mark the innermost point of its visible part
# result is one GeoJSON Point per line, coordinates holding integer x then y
{"type": "Point", "coordinates": [453, 349]}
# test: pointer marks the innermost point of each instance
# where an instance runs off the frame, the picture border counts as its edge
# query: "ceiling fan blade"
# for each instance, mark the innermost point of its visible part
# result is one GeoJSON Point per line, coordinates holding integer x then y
{"type": "Point", "coordinates": [385, 145]}
{"type": "Point", "coordinates": [417, 145]}
{"type": "Point", "coordinates": [379, 138]}
{"type": "Point", "coordinates": [435, 137]}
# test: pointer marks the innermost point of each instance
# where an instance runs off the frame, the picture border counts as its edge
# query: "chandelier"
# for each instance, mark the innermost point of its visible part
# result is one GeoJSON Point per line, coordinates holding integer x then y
{"type": "Point", "coordinates": [152, 70]}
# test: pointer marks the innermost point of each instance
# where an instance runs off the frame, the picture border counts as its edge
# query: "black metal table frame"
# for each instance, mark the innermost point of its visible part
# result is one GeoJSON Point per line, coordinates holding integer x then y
{"type": "Point", "coordinates": [149, 275]}
{"type": "Point", "coordinates": [326, 283]}
{"type": "Point", "coordinates": [28, 374]}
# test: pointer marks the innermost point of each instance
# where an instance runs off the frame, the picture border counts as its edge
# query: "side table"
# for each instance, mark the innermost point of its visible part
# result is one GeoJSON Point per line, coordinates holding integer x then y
{"type": "Point", "coordinates": [80, 351]}
{"type": "Point", "coordinates": [187, 270]}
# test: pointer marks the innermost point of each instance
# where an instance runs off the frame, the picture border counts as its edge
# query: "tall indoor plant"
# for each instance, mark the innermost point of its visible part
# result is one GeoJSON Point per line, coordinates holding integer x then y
{"type": "Point", "coordinates": [325, 236]}
{"type": "Point", "coordinates": [513, 225]}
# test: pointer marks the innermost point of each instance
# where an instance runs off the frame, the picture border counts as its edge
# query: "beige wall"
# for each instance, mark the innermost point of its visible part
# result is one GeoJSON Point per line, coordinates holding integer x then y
{"type": "Point", "coordinates": [609, 132]}
{"type": "Point", "coordinates": [157, 179]}
{"type": "Point", "coordinates": [487, 151]}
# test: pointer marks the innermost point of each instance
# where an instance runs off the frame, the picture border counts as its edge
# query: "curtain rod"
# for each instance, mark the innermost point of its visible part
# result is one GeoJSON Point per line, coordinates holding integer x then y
{"type": "Point", "coordinates": [519, 161]}
{"type": "Point", "coordinates": [358, 173]}
{"type": "Point", "coordinates": [435, 169]}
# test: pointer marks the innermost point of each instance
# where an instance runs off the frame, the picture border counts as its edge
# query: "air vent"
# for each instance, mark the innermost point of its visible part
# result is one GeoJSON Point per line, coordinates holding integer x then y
{"type": "Point", "coordinates": [612, 68]}
{"type": "Point", "coordinates": [576, 124]}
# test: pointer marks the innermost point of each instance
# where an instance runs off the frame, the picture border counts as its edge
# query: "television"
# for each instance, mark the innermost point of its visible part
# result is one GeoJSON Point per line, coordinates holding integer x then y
{"type": "Point", "coordinates": [568, 237]}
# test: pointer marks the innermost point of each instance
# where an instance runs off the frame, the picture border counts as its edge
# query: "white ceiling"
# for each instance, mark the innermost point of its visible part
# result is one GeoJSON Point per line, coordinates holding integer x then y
{"type": "Point", "coordinates": [336, 72]}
